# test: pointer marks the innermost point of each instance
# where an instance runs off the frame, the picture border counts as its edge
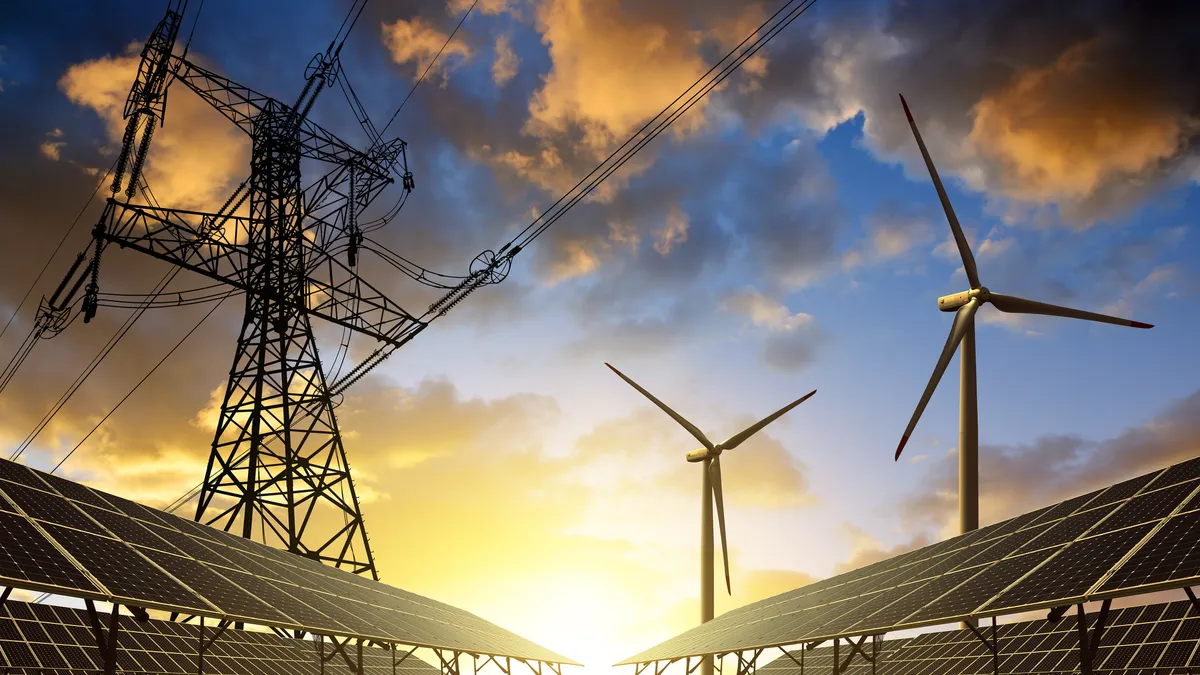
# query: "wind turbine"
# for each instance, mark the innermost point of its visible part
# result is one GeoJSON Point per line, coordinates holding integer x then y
{"type": "Point", "coordinates": [964, 305]}
{"type": "Point", "coordinates": [710, 489]}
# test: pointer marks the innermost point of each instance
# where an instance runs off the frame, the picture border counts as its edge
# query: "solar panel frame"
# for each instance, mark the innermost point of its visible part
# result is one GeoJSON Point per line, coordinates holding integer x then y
{"type": "Point", "coordinates": [1083, 516]}
{"type": "Point", "coordinates": [37, 555]}
{"type": "Point", "coordinates": [1030, 647]}
{"type": "Point", "coordinates": [166, 648]}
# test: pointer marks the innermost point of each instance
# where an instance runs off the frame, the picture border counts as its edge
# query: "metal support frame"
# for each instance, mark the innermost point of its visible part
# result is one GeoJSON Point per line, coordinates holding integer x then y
{"type": "Point", "coordinates": [396, 663]}
{"type": "Point", "coordinates": [993, 644]}
{"type": "Point", "coordinates": [1089, 641]}
{"type": "Point", "coordinates": [797, 662]}
{"type": "Point", "coordinates": [4, 595]}
{"type": "Point", "coordinates": [339, 647]}
{"type": "Point", "coordinates": [1190, 594]}
{"type": "Point", "coordinates": [748, 666]}
{"type": "Point", "coordinates": [206, 644]}
{"type": "Point", "coordinates": [856, 647]}
{"type": "Point", "coordinates": [505, 668]}
{"type": "Point", "coordinates": [106, 641]}
{"type": "Point", "coordinates": [449, 665]}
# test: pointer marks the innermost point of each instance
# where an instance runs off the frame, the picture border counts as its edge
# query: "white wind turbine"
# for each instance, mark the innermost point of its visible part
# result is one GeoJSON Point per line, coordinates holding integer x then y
{"type": "Point", "coordinates": [710, 455]}
{"type": "Point", "coordinates": [964, 305]}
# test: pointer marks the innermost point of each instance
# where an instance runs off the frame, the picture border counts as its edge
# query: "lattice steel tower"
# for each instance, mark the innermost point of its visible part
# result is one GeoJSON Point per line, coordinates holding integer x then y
{"type": "Point", "coordinates": [277, 470]}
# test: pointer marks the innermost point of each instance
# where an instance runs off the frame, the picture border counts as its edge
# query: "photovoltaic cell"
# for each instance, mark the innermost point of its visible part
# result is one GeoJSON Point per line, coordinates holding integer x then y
{"type": "Point", "coordinates": [49, 508]}
{"type": "Point", "coordinates": [217, 590]}
{"type": "Point", "coordinates": [1148, 507]}
{"type": "Point", "coordinates": [1123, 490]}
{"type": "Point", "coordinates": [1172, 553]}
{"type": "Point", "coordinates": [125, 573]}
{"type": "Point", "coordinates": [1071, 573]}
{"type": "Point", "coordinates": [978, 589]}
{"type": "Point", "coordinates": [1179, 473]}
{"type": "Point", "coordinates": [1134, 641]}
{"type": "Point", "coordinates": [61, 642]}
{"type": "Point", "coordinates": [27, 556]}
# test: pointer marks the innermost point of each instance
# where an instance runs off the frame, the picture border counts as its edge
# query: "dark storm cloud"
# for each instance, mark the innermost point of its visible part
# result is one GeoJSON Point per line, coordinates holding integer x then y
{"type": "Point", "coordinates": [1089, 106]}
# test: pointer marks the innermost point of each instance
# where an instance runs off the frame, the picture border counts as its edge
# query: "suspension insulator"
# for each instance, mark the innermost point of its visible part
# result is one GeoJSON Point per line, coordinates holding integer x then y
{"type": "Point", "coordinates": [140, 160]}
{"type": "Point", "coordinates": [408, 181]}
{"type": "Point", "coordinates": [91, 295]}
{"type": "Point", "coordinates": [126, 148]}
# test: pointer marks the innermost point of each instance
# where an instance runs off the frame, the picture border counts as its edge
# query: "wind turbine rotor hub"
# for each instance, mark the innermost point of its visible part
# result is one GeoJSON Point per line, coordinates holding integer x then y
{"type": "Point", "coordinates": [951, 303]}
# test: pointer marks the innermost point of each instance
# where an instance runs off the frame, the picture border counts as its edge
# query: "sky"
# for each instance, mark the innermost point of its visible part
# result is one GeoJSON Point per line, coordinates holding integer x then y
{"type": "Point", "coordinates": [784, 236]}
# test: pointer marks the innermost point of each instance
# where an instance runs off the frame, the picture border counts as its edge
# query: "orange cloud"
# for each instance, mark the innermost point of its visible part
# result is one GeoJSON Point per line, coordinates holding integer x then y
{"type": "Point", "coordinates": [419, 42]}
{"type": "Point", "coordinates": [196, 155]}
{"type": "Point", "coordinates": [1062, 132]}
{"type": "Point", "coordinates": [504, 68]}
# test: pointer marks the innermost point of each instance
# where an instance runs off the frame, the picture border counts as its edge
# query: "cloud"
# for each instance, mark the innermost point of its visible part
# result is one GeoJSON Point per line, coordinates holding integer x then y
{"type": "Point", "coordinates": [417, 41]}
{"type": "Point", "coordinates": [792, 340]}
{"type": "Point", "coordinates": [195, 157]}
{"type": "Point", "coordinates": [1016, 479]}
{"type": "Point", "coordinates": [674, 231]}
{"type": "Point", "coordinates": [866, 550]}
{"type": "Point", "coordinates": [504, 67]}
{"type": "Point", "coordinates": [51, 147]}
{"type": "Point", "coordinates": [891, 231]}
{"type": "Point", "coordinates": [1030, 103]}
{"type": "Point", "coordinates": [1061, 133]}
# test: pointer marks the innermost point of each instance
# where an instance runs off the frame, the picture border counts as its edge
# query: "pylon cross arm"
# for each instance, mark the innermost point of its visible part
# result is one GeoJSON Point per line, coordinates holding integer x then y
{"type": "Point", "coordinates": [208, 244]}
{"type": "Point", "coordinates": [241, 105]}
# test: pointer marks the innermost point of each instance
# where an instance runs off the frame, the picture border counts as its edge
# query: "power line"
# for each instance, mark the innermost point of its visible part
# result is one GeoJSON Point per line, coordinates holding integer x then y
{"type": "Point", "coordinates": [104, 351]}
{"type": "Point", "coordinates": [627, 150]}
{"type": "Point", "coordinates": [435, 58]}
{"type": "Point", "coordinates": [57, 248]}
{"type": "Point", "coordinates": [140, 382]}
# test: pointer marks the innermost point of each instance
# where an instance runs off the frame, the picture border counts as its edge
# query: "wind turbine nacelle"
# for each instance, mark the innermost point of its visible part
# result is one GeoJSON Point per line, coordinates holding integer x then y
{"type": "Point", "coordinates": [951, 303]}
{"type": "Point", "coordinates": [698, 455]}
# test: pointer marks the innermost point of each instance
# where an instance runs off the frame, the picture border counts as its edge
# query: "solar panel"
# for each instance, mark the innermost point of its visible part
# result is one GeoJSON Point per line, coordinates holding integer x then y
{"type": "Point", "coordinates": [68, 539]}
{"type": "Point", "coordinates": [1133, 537]}
{"type": "Point", "coordinates": [1155, 637]}
{"type": "Point", "coordinates": [41, 638]}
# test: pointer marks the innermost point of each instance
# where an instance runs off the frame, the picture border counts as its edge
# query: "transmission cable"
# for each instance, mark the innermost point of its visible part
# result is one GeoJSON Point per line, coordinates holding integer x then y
{"type": "Point", "coordinates": [104, 351]}
{"type": "Point", "coordinates": [661, 125]}
{"type": "Point", "coordinates": [140, 382]}
{"type": "Point", "coordinates": [483, 276]}
{"type": "Point", "coordinates": [57, 248]}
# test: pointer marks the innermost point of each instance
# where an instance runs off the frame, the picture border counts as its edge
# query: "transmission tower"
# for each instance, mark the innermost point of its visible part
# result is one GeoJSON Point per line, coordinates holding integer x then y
{"type": "Point", "coordinates": [277, 470]}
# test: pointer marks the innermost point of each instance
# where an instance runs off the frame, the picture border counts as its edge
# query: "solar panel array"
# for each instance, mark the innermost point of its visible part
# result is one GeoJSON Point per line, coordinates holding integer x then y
{"type": "Point", "coordinates": [1161, 637]}
{"type": "Point", "coordinates": [65, 538]}
{"type": "Point", "coordinates": [43, 638]}
{"type": "Point", "coordinates": [1133, 537]}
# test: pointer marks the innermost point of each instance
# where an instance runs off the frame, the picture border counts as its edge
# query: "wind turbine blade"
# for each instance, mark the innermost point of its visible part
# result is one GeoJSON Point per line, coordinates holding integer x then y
{"type": "Point", "coordinates": [714, 470]}
{"type": "Point", "coordinates": [699, 435]}
{"type": "Point", "coordinates": [962, 319]}
{"type": "Point", "coordinates": [1014, 305]}
{"type": "Point", "coordinates": [737, 439]}
{"type": "Point", "coordinates": [964, 249]}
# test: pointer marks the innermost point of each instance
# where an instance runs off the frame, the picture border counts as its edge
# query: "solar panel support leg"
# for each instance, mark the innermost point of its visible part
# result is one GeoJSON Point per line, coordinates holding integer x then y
{"type": "Point", "coordinates": [992, 644]}
{"type": "Point", "coordinates": [1089, 641]}
{"type": "Point", "coordinates": [855, 648]}
{"type": "Point", "coordinates": [206, 644]}
{"type": "Point", "coordinates": [107, 642]}
{"type": "Point", "coordinates": [8, 590]}
{"type": "Point", "coordinates": [798, 662]}
{"type": "Point", "coordinates": [1186, 589]}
